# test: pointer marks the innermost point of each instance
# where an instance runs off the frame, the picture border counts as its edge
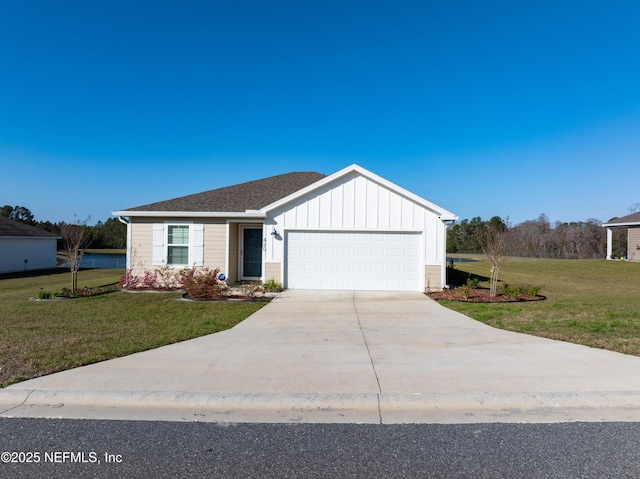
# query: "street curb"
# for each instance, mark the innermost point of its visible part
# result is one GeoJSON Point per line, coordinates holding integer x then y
{"type": "Point", "coordinates": [386, 408]}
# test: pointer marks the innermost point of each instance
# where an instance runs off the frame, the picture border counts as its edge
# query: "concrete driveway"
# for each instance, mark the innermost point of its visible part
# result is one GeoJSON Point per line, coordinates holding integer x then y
{"type": "Point", "coordinates": [344, 356]}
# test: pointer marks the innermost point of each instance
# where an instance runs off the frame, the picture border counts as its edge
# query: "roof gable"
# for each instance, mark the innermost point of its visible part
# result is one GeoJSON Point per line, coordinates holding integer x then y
{"type": "Point", "coordinates": [249, 196]}
{"type": "Point", "coordinates": [355, 169]}
{"type": "Point", "coordinates": [14, 228]}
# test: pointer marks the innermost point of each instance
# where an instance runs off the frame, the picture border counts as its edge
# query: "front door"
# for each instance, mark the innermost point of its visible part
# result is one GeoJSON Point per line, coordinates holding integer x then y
{"type": "Point", "coordinates": [251, 251]}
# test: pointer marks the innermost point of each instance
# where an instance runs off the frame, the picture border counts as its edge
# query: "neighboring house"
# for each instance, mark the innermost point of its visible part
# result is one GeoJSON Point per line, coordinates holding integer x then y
{"type": "Point", "coordinates": [632, 223]}
{"type": "Point", "coordinates": [24, 247]}
{"type": "Point", "coordinates": [352, 230]}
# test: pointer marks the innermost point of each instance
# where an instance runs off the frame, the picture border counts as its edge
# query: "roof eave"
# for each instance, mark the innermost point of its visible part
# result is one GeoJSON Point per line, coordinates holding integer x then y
{"type": "Point", "coordinates": [621, 225]}
{"type": "Point", "coordinates": [30, 237]}
{"type": "Point", "coordinates": [190, 214]}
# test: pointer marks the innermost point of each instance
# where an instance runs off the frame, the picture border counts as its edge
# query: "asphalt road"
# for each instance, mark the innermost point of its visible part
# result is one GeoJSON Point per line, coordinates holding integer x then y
{"type": "Point", "coordinates": [89, 448]}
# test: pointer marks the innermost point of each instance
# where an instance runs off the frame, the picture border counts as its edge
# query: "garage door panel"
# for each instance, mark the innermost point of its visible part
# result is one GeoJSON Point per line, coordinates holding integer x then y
{"type": "Point", "coordinates": [377, 268]}
{"type": "Point", "coordinates": [360, 261]}
{"type": "Point", "coordinates": [394, 268]}
{"type": "Point", "coordinates": [410, 268]}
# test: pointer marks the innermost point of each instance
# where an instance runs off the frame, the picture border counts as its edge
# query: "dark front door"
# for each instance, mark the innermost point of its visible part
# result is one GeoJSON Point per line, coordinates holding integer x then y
{"type": "Point", "coordinates": [252, 253]}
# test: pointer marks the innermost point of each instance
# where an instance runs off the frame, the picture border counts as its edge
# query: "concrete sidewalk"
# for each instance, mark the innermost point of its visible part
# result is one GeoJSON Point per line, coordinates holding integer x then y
{"type": "Point", "coordinates": [343, 356]}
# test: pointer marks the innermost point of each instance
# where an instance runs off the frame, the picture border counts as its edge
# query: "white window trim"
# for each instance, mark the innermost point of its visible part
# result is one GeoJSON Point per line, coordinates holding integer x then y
{"type": "Point", "coordinates": [167, 245]}
{"type": "Point", "coordinates": [160, 247]}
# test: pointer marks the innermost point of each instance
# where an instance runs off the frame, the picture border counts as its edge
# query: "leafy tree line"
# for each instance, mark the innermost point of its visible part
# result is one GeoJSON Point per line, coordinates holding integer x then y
{"type": "Point", "coordinates": [537, 238]}
{"type": "Point", "coordinates": [109, 234]}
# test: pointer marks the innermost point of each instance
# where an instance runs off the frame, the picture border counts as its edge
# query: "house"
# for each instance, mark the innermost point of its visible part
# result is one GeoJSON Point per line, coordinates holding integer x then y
{"type": "Point", "coordinates": [351, 230]}
{"type": "Point", "coordinates": [632, 223]}
{"type": "Point", "coordinates": [24, 247]}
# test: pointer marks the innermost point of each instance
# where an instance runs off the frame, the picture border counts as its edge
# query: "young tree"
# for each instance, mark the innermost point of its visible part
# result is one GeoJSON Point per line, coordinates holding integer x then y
{"type": "Point", "coordinates": [76, 237]}
{"type": "Point", "coordinates": [494, 242]}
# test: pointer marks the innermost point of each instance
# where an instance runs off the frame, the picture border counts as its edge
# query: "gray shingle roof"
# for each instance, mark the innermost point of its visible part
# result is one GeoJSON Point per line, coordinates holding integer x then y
{"type": "Point", "coordinates": [632, 218]}
{"type": "Point", "coordinates": [15, 228]}
{"type": "Point", "coordinates": [252, 195]}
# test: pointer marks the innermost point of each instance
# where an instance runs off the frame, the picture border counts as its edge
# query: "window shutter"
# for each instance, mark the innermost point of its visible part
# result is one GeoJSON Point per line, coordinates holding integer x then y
{"type": "Point", "coordinates": [197, 244]}
{"type": "Point", "coordinates": [158, 244]}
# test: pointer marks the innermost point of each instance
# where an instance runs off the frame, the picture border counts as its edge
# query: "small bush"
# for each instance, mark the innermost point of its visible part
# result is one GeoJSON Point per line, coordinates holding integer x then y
{"type": "Point", "coordinates": [464, 291]}
{"type": "Point", "coordinates": [164, 278]}
{"type": "Point", "coordinates": [512, 292]}
{"type": "Point", "coordinates": [273, 286]}
{"type": "Point", "coordinates": [198, 282]}
{"type": "Point", "coordinates": [251, 289]}
{"type": "Point", "coordinates": [129, 280]}
{"type": "Point", "coordinates": [532, 291]}
{"type": "Point", "coordinates": [46, 295]}
{"type": "Point", "coordinates": [202, 282]}
{"type": "Point", "coordinates": [473, 282]}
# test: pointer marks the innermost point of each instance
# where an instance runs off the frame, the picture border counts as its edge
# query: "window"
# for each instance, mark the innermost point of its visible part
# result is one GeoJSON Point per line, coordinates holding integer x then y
{"type": "Point", "coordinates": [178, 244]}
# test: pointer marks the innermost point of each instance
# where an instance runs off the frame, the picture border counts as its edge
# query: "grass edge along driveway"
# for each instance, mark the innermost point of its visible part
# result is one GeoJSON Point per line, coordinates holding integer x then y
{"type": "Point", "coordinates": [591, 302]}
{"type": "Point", "coordinates": [43, 337]}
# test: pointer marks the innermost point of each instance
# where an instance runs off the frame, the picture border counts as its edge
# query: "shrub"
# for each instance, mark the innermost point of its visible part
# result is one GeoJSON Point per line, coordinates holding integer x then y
{"type": "Point", "coordinates": [273, 286]}
{"type": "Point", "coordinates": [251, 289]}
{"type": "Point", "coordinates": [198, 282]}
{"type": "Point", "coordinates": [169, 278]}
{"type": "Point", "coordinates": [202, 282]}
{"type": "Point", "coordinates": [150, 280]}
{"type": "Point", "coordinates": [464, 291]}
{"type": "Point", "coordinates": [129, 280]}
{"type": "Point", "coordinates": [46, 295]}
{"type": "Point", "coordinates": [161, 278]}
{"type": "Point", "coordinates": [473, 282]}
{"type": "Point", "coordinates": [512, 292]}
{"type": "Point", "coordinates": [532, 291]}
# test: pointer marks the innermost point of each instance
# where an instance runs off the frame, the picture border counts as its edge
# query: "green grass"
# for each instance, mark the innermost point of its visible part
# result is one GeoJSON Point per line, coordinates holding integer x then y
{"type": "Point", "coordinates": [590, 302]}
{"type": "Point", "coordinates": [42, 337]}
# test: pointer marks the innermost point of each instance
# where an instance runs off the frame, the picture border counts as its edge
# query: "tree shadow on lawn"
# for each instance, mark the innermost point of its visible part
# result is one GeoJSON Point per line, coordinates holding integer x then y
{"type": "Point", "coordinates": [457, 278]}
{"type": "Point", "coordinates": [34, 273]}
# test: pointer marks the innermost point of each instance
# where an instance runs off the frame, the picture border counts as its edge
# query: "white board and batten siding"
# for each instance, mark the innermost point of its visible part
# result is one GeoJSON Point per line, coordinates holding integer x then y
{"type": "Point", "coordinates": [357, 217]}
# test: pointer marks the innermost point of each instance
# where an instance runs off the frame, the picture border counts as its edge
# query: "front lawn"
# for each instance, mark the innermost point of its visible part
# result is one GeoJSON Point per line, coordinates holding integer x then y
{"type": "Point", "coordinates": [590, 302]}
{"type": "Point", "coordinates": [42, 337]}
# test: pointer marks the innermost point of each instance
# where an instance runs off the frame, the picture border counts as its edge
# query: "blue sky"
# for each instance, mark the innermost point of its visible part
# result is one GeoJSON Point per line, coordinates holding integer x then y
{"type": "Point", "coordinates": [492, 108]}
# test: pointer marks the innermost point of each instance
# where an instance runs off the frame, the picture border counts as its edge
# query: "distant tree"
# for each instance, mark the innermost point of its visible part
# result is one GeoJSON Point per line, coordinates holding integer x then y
{"type": "Point", "coordinates": [634, 207]}
{"type": "Point", "coordinates": [18, 213]}
{"type": "Point", "coordinates": [49, 226]}
{"type": "Point", "coordinates": [110, 234]}
{"type": "Point", "coordinates": [76, 236]}
{"type": "Point", "coordinates": [463, 236]}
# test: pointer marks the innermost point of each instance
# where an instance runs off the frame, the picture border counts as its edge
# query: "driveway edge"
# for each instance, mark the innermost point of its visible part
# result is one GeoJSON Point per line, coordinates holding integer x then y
{"type": "Point", "coordinates": [386, 408]}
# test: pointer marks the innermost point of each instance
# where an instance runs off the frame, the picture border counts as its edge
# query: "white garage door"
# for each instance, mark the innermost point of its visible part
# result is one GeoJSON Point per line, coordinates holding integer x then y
{"type": "Point", "coordinates": [353, 261]}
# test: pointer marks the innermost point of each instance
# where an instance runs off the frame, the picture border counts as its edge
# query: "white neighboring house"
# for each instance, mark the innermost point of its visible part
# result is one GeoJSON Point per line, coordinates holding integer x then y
{"type": "Point", "coordinates": [25, 248]}
{"type": "Point", "coordinates": [352, 230]}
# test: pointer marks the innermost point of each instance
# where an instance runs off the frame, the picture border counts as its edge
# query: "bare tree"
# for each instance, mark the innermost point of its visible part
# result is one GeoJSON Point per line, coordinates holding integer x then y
{"type": "Point", "coordinates": [76, 237]}
{"type": "Point", "coordinates": [494, 241]}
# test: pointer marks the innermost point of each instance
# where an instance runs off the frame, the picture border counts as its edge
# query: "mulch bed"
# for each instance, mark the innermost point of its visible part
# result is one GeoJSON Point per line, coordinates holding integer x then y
{"type": "Point", "coordinates": [231, 297]}
{"type": "Point", "coordinates": [481, 295]}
